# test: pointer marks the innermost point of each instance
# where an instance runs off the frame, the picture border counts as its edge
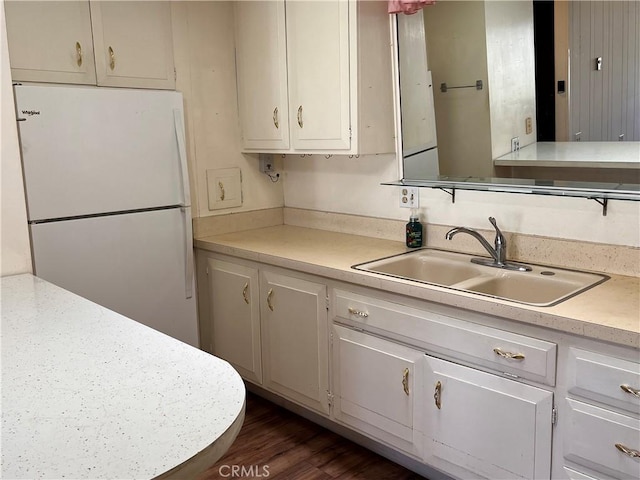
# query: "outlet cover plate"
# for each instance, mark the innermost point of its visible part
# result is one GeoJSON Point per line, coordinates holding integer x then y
{"type": "Point", "coordinates": [409, 197]}
{"type": "Point", "coordinates": [266, 163]}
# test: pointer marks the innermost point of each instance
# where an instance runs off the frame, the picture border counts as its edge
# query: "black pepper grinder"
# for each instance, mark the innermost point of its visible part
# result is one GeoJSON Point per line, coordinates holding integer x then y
{"type": "Point", "coordinates": [414, 231]}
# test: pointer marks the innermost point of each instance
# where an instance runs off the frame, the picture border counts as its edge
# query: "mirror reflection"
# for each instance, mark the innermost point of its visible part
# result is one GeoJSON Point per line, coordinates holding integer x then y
{"type": "Point", "coordinates": [560, 85]}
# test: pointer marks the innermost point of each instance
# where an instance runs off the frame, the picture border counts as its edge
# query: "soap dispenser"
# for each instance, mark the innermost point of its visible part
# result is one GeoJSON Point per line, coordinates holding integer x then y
{"type": "Point", "coordinates": [414, 230]}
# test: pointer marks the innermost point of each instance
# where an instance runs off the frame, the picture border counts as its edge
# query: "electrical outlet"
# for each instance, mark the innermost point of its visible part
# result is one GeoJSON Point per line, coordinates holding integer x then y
{"type": "Point", "coordinates": [409, 197]}
{"type": "Point", "coordinates": [266, 163]}
{"type": "Point", "coordinates": [515, 144]}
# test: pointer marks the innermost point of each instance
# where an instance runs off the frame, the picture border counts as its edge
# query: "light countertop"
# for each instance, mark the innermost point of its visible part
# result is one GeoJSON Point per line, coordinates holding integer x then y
{"type": "Point", "coordinates": [609, 311]}
{"type": "Point", "coordinates": [574, 154]}
{"type": "Point", "coordinates": [88, 393]}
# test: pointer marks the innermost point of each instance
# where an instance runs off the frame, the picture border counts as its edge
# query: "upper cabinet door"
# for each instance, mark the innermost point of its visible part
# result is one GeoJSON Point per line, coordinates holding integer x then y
{"type": "Point", "coordinates": [318, 52]}
{"type": "Point", "coordinates": [50, 41]}
{"type": "Point", "coordinates": [133, 44]}
{"type": "Point", "coordinates": [261, 62]}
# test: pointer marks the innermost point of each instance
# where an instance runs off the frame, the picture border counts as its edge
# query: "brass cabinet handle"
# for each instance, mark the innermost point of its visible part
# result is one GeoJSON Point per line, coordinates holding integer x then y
{"type": "Point", "coordinates": [221, 185]}
{"type": "Point", "coordinates": [628, 451]}
{"type": "Point", "coordinates": [631, 390]}
{"type": "Point", "coordinates": [503, 354]}
{"type": "Point", "coordinates": [79, 54]}
{"type": "Point", "coordinates": [244, 293]}
{"type": "Point", "coordinates": [358, 313]}
{"type": "Point", "coordinates": [275, 117]}
{"type": "Point", "coordinates": [112, 59]}
{"type": "Point", "coordinates": [269, 304]}
{"type": "Point", "coordinates": [437, 396]}
{"type": "Point", "coordinates": [300, 122]}
{"type": "Point", "coordinates": [405, 381]}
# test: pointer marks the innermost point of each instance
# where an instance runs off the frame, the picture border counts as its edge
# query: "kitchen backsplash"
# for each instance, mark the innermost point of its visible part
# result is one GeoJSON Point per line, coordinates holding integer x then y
{"type": "Point", "coordinates": [614, 259]}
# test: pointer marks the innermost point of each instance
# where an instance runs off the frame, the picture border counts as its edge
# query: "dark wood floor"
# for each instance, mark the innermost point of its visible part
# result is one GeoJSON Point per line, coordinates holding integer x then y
{"type": "Point", "coordinates": [277, 444]}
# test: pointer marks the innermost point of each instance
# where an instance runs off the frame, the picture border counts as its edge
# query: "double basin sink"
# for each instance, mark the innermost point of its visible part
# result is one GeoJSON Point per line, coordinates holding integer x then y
{"type": "Point", "coordinates": [542, 286]}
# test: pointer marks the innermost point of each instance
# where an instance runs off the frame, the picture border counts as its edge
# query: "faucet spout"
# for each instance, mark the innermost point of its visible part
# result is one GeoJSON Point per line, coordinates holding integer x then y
{"type": "Point", "coordinates": [498, 252]}
{"type": "Point", "coordinates": [487, 246]}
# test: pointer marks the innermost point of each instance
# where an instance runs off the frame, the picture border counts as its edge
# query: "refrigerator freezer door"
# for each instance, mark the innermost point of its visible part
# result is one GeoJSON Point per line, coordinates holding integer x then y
{"type": "Point", "coordinates": [89, 150]}
{"type": "Point", "coordinates": [135, 264]}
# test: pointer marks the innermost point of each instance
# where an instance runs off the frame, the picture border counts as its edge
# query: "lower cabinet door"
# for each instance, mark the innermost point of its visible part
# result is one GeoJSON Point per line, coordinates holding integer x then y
{"type": "Point", "coordinates": [378, 388]}
{"type": "Point", "coordinates": [490, 426]}
{"type": "Point", "coordinates": [235, 316]}
{"type": "Point", "coordinates": [295, 339]}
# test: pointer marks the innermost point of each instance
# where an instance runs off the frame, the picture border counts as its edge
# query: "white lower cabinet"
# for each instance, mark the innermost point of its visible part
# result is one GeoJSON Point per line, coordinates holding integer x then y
{"type": "Point", "coordinates": [603, 440]}
{"type": "Point", "coordinates": [377, 388]}
{"type": "Point", "coordinates": [271, 326]}
{"type": "Point", "coordinates": [435, 383]}
{"type": "Point", "coordinates": [295, 340]}
{"type": "Point", "coordinates": [491, 426]}
{"type": "Point", "coordinates": [602, 434]}
{"type": "Point", "coordinates": [234, 314]}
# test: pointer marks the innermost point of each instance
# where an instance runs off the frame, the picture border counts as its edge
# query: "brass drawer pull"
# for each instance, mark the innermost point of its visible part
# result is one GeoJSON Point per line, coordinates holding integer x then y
{"type": "Point", "coordinates": [437, 396]}
{"type": "Point", "coordinates": [513, 356]}
{"type": "Point", "coordinates": [269, 295]}
{"type": "Point", "coordinates": [358, 313]}
{"type": "Point", "coordinates": [275, 117]}
{"type": "Point", "coordinates": [79, 54]}
{"type": "Point", "coordinates": [112, 59]}
{"type": "Point", "coordinates": [244, 293]}
{"type": "Point", "coordinates": [631, 390]}
{"type": "Point", "coordinates": [628, 451]}
{"type": "Point", "coordinates": [405, 381]}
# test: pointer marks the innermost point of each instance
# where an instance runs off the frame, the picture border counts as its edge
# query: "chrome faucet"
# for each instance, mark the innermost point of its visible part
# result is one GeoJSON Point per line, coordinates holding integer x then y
{"type": "Point", "coordinates": [498, 252]}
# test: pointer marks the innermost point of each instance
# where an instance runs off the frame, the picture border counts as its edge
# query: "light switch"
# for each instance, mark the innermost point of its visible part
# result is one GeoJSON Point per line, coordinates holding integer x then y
{"type": "Point", "coordinates": [224, 188]}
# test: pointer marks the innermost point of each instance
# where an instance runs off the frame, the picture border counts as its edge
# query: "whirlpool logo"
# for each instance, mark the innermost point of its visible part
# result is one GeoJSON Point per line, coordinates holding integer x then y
{"type": "Point", "coordinates": [31, 113]}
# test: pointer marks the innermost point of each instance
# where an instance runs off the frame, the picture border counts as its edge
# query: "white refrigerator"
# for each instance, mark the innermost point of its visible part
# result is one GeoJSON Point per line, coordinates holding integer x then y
{"type": "Point", "coordinates": [108, 199]}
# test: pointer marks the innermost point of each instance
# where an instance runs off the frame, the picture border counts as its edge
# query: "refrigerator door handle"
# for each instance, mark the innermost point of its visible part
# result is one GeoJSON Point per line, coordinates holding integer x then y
{"type": "Point", "coordinates": [188, 252]}
{"type": "Point", "coordinates": [182, 152]}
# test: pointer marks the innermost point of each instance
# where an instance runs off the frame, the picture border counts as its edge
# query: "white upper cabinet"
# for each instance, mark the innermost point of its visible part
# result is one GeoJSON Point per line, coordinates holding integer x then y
{"type": "Point", "coordinates": [50, 41]}
{"type": "Point", "coordinates": [133, 44]}
{"type": "Point", "coordinates": [128, 44]}
{"type": "Point", "coordinates": [261, 62]}
{"type": "Point", "coordinates": [315, 77]}
{"type": "Point", "coordinates": [318, 67]}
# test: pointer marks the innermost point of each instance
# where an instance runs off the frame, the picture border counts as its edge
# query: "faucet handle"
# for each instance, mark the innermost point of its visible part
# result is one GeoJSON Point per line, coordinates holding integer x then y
{"type": "Point", "coordinates": [500, 241]}
{"type": "Point", "coordinates": [495, 225]}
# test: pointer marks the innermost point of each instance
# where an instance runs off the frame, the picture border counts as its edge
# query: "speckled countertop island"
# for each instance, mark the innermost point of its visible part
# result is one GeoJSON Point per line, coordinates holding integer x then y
{"type": "Point", "coordinates": [88, 393]}
{"type": "Point", "coordinates": [610, 311]}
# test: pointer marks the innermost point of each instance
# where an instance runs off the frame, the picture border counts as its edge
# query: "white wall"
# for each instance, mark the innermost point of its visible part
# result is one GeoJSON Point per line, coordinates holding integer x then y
{"type": "Point", "coordinates": [16, 253]}
{"type": "Point", "coordinates": [205, 67]}
{"type": "Point", "coordinates": [352, 186]}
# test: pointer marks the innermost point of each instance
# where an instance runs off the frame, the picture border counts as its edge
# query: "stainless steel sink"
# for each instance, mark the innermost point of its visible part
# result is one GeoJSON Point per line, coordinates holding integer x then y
{"type": "Point", "coordinates": [542, 286]}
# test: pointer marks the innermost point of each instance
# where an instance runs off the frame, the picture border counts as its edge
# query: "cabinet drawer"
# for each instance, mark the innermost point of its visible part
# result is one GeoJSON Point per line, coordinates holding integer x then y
{"type": "Point", "coordinates": [575, 475]}
{"type": "Point", "coordinates": [592, 435]}
{"type": "Point", "coordinates": [605, 379]}
{"type": "Point", "coordinates": [477, 344]}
